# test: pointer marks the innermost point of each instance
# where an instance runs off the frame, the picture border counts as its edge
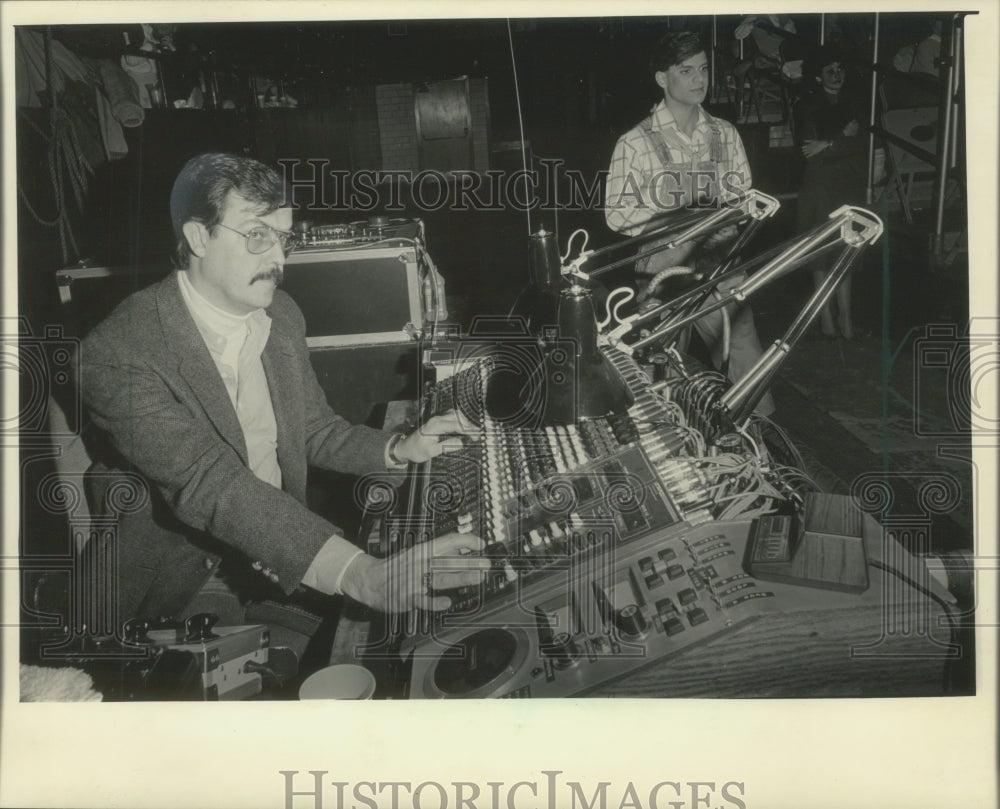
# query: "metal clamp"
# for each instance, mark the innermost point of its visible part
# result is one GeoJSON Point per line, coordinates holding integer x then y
{"type": "Point", "coordinates": [759, 205]}
{"type": "Point", "coordinates": [870, 225]}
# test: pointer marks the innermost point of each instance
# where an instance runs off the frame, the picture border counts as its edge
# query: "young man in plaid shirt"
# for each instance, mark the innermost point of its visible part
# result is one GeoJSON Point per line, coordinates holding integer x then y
{"type": "Point", "coordinates": [681, 157]}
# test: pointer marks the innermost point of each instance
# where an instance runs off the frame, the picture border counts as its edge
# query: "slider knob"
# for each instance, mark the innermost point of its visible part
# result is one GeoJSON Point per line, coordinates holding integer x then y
{"type": "Point", "coordinates": [563, 651]}
{"type": "Point", "coordinates": [659, 363]}
{"type": "Point", "coordinates": [630, 621]}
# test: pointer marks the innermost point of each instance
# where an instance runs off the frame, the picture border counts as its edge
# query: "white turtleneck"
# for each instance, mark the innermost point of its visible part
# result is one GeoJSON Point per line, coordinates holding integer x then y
{"type": "Point", "coordinates": [236, 343]}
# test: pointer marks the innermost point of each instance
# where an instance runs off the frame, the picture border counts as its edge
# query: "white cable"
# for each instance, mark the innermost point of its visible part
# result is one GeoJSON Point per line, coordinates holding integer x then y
{"type": "Point", "coordinates": [673, 352]}
{"type": "Point", "coordinates": [432, 278]}
{"type": "Point", "coordinates": [743, 431]}
{"type": "Point", "coordinates": [785, 472]}
{"type": "Point", "coordinates": [662, 276]}
{"type": "Point", "coordinates": [569, 243]}
{"type": "Point", "coordinates": [628, 294]}
{"type": "Point", "coordinates": [674, 411]}
{"type": "Point", "coordinates": [520, 119]}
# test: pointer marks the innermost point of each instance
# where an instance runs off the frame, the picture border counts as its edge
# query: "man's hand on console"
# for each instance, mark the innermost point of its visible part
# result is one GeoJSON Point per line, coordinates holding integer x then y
{"type": "Point", "coordinates": [417, 576]}
{"type": "Point", "coordinates": [439, 434]}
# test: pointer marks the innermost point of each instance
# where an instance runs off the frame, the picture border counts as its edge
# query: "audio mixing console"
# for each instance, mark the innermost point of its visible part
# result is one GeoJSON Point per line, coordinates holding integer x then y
{"type": "Point", "coordinates": [614, 541]}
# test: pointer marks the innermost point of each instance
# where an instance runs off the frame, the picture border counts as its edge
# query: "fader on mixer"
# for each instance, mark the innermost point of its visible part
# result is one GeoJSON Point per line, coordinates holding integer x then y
{"type": "Point", "coordinates": [609, 611]}
{"type": "Point", "coordinates": [614, 541]}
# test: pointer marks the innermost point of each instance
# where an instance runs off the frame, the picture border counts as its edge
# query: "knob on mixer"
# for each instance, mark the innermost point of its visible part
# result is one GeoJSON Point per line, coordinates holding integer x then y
{"type": "Point", "coordinates": [563, 651]}
{"type": "Point", "coordinates": [630, 621]}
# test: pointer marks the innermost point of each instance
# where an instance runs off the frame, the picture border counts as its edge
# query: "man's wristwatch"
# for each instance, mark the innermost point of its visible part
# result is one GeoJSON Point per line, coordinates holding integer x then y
{"type": "Point", "coordinates": [390, 449]}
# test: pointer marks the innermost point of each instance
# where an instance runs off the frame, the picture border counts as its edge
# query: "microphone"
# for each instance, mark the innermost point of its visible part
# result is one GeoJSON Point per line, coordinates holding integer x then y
{"type": "Point", "coordinates": [544, 259]}
{"type": "Point", "coordinates": [590, 386]}
{"type": "Point", "coordinates": [539, 300]}
{"type": "Point", "coordinates": [593, 387]}
{"type": "Point", "coordinates": [854, 228]}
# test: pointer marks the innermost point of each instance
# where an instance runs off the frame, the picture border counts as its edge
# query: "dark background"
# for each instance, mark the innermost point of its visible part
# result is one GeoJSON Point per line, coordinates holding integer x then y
{"type": "Point", "coordinates": [582, 82]}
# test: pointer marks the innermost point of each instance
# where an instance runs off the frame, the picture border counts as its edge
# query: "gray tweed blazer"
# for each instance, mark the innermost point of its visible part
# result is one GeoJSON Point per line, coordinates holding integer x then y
{"type": "Point", "coordinates": [151, 387]}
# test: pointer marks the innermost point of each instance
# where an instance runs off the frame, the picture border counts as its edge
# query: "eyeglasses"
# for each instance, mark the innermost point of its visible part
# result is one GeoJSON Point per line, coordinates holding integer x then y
{"type": "Point", "coordinates": [262, 238]}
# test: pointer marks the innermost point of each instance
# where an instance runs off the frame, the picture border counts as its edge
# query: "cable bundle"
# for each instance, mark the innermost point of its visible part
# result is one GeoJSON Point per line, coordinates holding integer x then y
{"type": "Point", "coordinates": [697, 396]}
{"type": "Point", "coordinates": [739, 486]}
{"type": "Point", "coordinates": [67, 167]}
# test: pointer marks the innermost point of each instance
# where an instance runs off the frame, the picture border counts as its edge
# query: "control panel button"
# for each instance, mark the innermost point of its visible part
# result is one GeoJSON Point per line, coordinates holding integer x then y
{"type": "Point", "coordinates": [563, 651]}
{"type": "Point", "coordinates": [665, 607]}
{"type": "Point", "coordinates": [631, 621]}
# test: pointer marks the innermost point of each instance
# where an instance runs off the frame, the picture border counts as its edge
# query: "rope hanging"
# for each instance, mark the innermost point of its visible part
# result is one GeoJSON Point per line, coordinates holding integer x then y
{"type": "Point", "coordinates": [67, 167]}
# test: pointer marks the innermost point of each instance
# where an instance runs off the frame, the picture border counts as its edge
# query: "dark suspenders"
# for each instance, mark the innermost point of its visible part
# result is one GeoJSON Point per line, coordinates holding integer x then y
{"type": "Point", "coordinates": [715, 151]}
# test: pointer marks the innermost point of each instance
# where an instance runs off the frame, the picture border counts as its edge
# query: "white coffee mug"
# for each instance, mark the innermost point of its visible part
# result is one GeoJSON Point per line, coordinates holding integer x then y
{"type": "Point", "coordinates": [343, 681]}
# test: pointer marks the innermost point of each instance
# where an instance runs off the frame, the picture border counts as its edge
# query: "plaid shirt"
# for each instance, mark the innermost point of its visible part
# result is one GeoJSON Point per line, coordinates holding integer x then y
{"type": "Point", "coordinates": [638, 186]}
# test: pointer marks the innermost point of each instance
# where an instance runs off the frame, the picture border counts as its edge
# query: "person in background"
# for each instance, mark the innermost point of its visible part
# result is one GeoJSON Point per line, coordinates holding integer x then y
{"type": "Point", "coordinates": [679, 139]}
{"type": "Point", "coordinates": [923, 56]}
{"type": "Point", "coordinates": [770, 33]}
{"type": "Point", "coordinates": [829, 129]}
{"type": "Point", "coordinates": [202, 385]}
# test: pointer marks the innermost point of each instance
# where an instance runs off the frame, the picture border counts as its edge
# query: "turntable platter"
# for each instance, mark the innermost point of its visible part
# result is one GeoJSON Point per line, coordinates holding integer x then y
{"type": "Point", "coordinates": [476, 661]}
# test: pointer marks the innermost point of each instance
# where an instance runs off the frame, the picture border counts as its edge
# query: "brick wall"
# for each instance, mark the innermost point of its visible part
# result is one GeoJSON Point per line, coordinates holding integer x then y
{"type": "Point", "coordinates": [365, 146]}
{"type": "Point", "coordinates": [479, 103]}
{"type": "Point", "coordinates": [397, 126]}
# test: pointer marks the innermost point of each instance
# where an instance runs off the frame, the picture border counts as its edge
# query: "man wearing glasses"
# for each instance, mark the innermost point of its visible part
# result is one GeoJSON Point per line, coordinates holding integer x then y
{"type": "Point", "coordinates": [202, 385]}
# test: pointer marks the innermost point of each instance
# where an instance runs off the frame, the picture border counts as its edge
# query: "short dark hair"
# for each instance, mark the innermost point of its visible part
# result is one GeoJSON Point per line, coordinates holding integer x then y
{"type": "Point", "coordinates": [200, 191]}
{"type": "Point", "coordinates": [673, 48]}
{"type": "Point", "coordinates": [818, 58]}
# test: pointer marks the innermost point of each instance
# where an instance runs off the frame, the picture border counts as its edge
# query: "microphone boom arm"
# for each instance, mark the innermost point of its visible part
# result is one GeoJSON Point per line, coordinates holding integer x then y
{"type": "Point", "coordinates": [754, 204]}
{"type": "Point", "coordinates": [740, 399]}
{"type": "Point", "coordinates": [854, 227]}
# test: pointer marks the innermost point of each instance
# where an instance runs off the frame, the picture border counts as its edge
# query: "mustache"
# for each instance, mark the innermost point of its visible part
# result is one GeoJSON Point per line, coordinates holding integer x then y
{"type": "Point", "coordinates": [275, 274]}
